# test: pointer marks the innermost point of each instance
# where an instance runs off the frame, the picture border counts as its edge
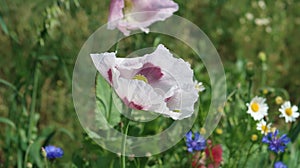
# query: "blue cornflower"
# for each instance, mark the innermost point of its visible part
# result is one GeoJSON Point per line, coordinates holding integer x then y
{"type": "Point", "coordinates": [279, 165]}
{"type": "Point", "coordinates": [53, 152]}
{"type": "Point", "coordinates": [276, 144]}
{"type": "Point", "coordinates": [196, 144]}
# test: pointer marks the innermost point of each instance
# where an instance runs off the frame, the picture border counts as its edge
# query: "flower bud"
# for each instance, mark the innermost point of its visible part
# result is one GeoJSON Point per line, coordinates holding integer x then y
{"type": "Point", "coordinates": [219, 131]}
{"type": "Point", "coordinates": [44, 153]}
{"type": "Point", "coordinates": [278, 100]}
{"type": "Point", "coordinates": [262, 56]}
{"type": "Point", "coordinates": [202, 131]}
{"type": "Point", "coordinates": [254, 137]}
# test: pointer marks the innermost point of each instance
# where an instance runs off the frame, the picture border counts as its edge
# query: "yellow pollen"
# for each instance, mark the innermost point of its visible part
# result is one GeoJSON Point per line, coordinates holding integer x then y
{"type": "Point", "coordinates": [177, 111]}
{"type": "Point", "coordinates": [255, 107]}
{"type": "Point", "coordinates": [128, 6]}
{"type": "Point", "coordinates": [140, 77]}
{"type": "Point", "coordinates": [288, 111]}
{"type": "Point", "coordinates": [264, 128]}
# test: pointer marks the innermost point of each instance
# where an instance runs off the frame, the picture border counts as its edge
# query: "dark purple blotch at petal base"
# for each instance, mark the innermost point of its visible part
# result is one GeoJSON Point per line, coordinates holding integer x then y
{"type": "Point", "coordinates": [151, 72]}
{"type": "Point", "coordinates": [109, 73]}
{"type": "Point", "coordinates": [132, 105]}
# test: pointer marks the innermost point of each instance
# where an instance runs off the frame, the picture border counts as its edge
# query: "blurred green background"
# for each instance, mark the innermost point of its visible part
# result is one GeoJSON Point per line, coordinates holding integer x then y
{"type": "Point", "coordinates": [40, 40]}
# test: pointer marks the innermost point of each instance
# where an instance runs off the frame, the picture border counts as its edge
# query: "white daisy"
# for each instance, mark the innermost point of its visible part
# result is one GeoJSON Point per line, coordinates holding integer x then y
{"type": "Point", "coordinates": [289, 112]}
{"type": "Point", "coordinates": [263, 127]}
{"type": "Point", "coordinates": [257, 108]}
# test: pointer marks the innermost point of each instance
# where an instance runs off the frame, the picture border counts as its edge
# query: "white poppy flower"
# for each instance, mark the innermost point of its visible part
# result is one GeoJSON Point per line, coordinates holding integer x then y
{"type": "Point", "coordinates": [147, 12]}
{"type": "Point", "coordinates": [257, 108]}
{"type": "Point", "coordinates": [156, 82]}
{"type": "Point", "coordinates": [289, 112]}
{"type": "Point", "coordinates": [263, 127]}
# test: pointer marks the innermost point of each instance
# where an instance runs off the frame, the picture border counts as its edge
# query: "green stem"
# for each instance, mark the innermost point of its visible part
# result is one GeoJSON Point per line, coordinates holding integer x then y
{"type": "Point", "coordinates": [124, 145]}
{"type": "Point", "coordinates": [273, 162]}
{"type": "Point", "coordinates": [117, 45]}
{"type": "Point", "coordinates": [248, 154]}
{"type": "Point", "coordinates": [250, 89]}
{"type": "Point", "coordinates": [263, 75]}
{"type": "Point", "coordinates": [46, 162]}
{"type": "Point", "coordinates": [33, 102]}
{"type": "Point", "coordinates": [26, 154]}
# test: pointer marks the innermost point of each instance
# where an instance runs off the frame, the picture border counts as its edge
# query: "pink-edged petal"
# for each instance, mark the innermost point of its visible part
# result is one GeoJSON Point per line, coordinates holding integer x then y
{"type": "Point", "coordinates": [138, 93]}
{"type": "Point", "coordinates": [128, 67]}
{"type": "Point", "coordinates": [183, 101]}
{"type": "Point", "coordinates": [176, 70]}
{"type": "Point", "coordinates": [104, 63]}
{"type": "Point", "coordinates": [177, 79]}
{"type": "Point", "coordinates": [115, 13]}
{"type": "Point", "coordinates": [155, 10]}
{"type": "Point", "coordinates": [140, 14]}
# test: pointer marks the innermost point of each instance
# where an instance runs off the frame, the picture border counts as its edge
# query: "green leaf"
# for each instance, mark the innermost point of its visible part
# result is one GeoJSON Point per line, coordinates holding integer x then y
{"type": "Point", "coordinates": [3, 26]}
{"type": "Point", "coordinates": [68, 133]}
{"type": "Point", "coordinates": [105, 104]}
{"type": "Point", "coordinates": [8, 84]}
{"type": "Point", "coordinates": [7, 122]}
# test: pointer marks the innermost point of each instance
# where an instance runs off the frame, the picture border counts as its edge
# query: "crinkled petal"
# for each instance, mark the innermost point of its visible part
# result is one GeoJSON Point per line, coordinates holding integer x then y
{"type": "Point", "coordinates": [115, 13]}
{"type": "Point", "coordinates": [145, 13]}
{"type": "Point", "coordinates": [168, 90]}
{"type": "Point", "coordinates": [177, 73]}
{"type": "Point", "coordinates": [140, 94]}
{"type": "Point", "coordinates": [104, 63]}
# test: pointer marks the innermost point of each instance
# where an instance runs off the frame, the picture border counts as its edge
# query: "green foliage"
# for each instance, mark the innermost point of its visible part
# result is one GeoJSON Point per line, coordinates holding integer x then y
{"type": "Point", "coordinates": [41, 39]}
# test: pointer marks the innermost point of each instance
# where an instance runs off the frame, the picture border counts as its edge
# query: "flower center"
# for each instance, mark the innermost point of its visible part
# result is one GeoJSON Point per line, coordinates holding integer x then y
{"type": "Point", "coordinates": [128, 6]}
{"type": "Point", "coordinates": [264, 128]}
{"type": "Point", "coordinates": [140, 77]}
{"type": "Point", "coordinates": [255, 107]}
{"type": "Point", "coordinates": [151, 72]}
{"type": "Point", "coordinates": [194, 143]}
{"type": "Point", "coordinates": [288, 111]}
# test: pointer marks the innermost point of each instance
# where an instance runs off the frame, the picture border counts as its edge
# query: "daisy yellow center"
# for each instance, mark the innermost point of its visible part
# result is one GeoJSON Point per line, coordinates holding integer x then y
{"type": "Point", "coordinates": [255, 107]}
{"type": "Point", "coordinates": [140, 77]}
{"type": "Point", "coordinates": [264, 128]}
{"type": "Point", "coordinates": [288, 111]}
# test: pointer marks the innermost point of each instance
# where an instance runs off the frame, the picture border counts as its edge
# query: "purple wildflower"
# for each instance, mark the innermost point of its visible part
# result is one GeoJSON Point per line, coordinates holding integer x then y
{"type": "Point", "coordinates": [53, 152]}
{"type": "Point", "coordinates": [196, 144]}
{"type": "Point", "coordinates": [279, 165]}
{"type": "Point", "coordinates": [276, 144]}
